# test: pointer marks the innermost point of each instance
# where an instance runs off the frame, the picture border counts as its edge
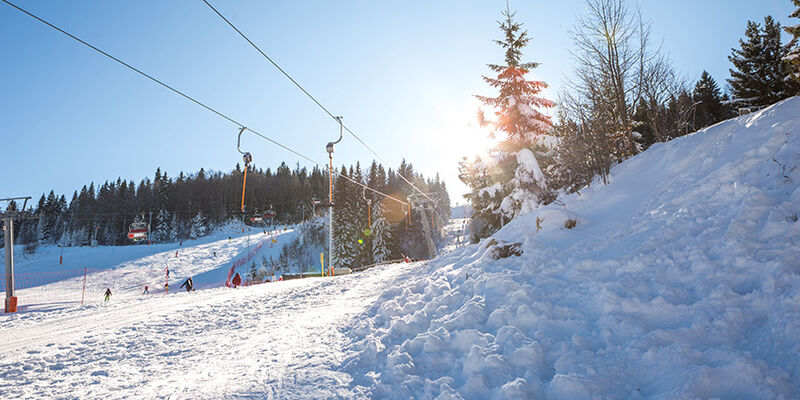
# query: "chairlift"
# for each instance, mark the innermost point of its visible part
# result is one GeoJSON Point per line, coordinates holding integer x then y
{"type": "Point", "coordinates": [247, 158]}
{"type": "Point", "coordinates": [137, 231]}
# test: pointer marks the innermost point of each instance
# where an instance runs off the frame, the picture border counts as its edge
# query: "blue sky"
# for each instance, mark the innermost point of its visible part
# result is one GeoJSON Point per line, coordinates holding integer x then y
{"type": "Point", "coordinates": [401, 73]}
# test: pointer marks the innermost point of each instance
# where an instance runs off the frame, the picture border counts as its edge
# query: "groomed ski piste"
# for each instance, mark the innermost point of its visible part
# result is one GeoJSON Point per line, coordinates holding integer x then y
{"type": "Point", "coordinates": [679, 280]}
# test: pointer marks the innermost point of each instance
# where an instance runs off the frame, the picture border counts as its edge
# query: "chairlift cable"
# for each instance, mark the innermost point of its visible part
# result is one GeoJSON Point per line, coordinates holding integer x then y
{"type": "Point", "coordinates": [186, 96]}
{"type": "Point", "coordinates": [337, 119]}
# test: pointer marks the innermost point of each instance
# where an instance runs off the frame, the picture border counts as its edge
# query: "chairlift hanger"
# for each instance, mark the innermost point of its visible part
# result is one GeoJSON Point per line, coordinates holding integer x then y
{"type": "Point", "coordinates": [248, 158]}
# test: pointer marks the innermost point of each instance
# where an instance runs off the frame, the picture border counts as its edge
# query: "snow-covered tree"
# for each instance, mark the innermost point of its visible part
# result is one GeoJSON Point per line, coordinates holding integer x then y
{"type": "Point", "coordinates": [344, 229]}
{"type": "Point", "coordinates": [502, 186]}
{"type": "Point", "coordinates": [381, 234]}
{"type": "Point", "coordinates": [161, 229]}
{"type": "Point", "coordinates": [173, 229]}
{"type": "Point", "coordinates": [793, 56]}
{"type": "Point", "coordinates": [528, 185]}
{"type": "Point", "coordinates": [199, 228]}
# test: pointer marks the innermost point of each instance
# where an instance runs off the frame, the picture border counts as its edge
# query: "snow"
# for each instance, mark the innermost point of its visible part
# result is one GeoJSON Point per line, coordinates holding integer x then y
{"type": "Point", "coordinates": [679, 280]}
{"type": "Point", "coordinates": [127, 269]}
{"type": "Point", "coordinates": [491, 191]}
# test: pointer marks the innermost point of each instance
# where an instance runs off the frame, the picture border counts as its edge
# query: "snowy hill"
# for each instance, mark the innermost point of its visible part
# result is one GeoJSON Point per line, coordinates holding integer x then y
{"type": "Point", "coordinates": [680, 280]}
{"type": "Point", "coordinates": [44, 284]}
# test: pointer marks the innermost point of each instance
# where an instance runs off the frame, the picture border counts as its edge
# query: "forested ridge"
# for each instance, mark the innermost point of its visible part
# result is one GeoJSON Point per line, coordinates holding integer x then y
{"type": "Point", "coordinates": [192, 205]}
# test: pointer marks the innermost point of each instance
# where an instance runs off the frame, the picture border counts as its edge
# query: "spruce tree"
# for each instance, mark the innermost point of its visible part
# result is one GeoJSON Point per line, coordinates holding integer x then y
{"type": "Point", "coordinates": [708, 97]}
{"type": "Point", "coordinates": [199, 228]}
{"type": "Point", "coordinates": [343, 222]}
{"type": "Point", "coordinates": [174, 229]}
{"type": "Point", "coordinates": [510, 181]}
{"type": "Point", "coordinates": [760, 74]}
{"type": "Point", "coordinates": [161, 231]}
{"type": "Point", "coordinates": [381, 237]}
{"type": "Point", "coordinates": [793, 56]}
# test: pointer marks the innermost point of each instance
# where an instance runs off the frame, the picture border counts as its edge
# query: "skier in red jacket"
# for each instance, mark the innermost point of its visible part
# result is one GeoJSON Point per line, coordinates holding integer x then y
{"type": "Point", "coordinates": [237, 280]}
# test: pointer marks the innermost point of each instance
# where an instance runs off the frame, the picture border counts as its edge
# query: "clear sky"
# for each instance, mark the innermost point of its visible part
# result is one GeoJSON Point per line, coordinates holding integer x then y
{"type": "Point", "coordinates": [402, 73]}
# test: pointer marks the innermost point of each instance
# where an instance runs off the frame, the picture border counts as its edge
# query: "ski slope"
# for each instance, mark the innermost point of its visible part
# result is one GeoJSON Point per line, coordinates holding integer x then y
{"type": "Point", "coordinates": [680, 280]}
{"type": "Point", "coordinates": [126, 270]}
{"type": "Point", "coordinates": [276, 340]}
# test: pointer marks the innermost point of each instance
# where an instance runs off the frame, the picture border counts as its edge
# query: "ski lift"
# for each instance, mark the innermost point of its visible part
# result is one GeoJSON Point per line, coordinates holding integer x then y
{"type": "Point", "coordinates": [247, 158]}
{"type": "Point", "coordinates": [138, 231]}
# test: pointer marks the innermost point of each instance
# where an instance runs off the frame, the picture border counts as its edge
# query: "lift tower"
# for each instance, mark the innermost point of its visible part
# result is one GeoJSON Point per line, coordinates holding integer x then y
{"type": "Point", "coordinates": [8, 218]}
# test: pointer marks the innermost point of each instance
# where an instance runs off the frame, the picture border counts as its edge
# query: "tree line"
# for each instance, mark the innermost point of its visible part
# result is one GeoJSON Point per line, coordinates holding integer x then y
{"type": "Point", "coordinates": [623, 95]}
{"type": "Point", "coordinates": [192, 205]}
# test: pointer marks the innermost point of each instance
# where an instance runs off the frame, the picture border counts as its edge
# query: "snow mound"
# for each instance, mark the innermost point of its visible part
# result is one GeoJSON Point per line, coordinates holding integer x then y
{"type": "Point", "coordinates": [679, 279]}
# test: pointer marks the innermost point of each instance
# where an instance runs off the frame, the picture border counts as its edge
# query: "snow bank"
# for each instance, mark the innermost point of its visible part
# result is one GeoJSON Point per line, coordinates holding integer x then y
{"type": "Point", "coordinates": [679, 279]}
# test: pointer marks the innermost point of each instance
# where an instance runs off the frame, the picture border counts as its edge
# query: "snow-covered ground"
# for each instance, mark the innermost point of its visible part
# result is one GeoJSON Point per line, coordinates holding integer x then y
{"type": "Point", "coordinates": [276, 340]}
{"type": "Point", "coordinates": [126, 270]}
{"type": "Point", "coordinates": [681, 279]}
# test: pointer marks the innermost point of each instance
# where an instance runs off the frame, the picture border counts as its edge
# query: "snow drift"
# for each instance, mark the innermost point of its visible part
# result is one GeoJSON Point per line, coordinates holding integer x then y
{"type": "Point", "coordinates": [678, 279]}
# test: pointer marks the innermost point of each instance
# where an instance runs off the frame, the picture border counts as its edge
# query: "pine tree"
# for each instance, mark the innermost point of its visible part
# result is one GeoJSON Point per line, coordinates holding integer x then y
{"type": "Point", "coordinates": [252, 272]}
{"type": "Point", "coordinates": [381, 236]}
{"type": "Point", "coordinates": [199, 228]}
{"type": "Point", "coordinates": [343, 252]}
{"type": "Point", "coordinates": [510, 181]}
{"type": "Point", "coordinates": [161, 231]}
{"type": "Point", "coordinates": [793, 56]}
{"type": "Point", "coordinates": [174, 231]}
{"type": "Point", "coordinates": [708, 97]}
{"type": "Point", "coordinates": [760, 75]}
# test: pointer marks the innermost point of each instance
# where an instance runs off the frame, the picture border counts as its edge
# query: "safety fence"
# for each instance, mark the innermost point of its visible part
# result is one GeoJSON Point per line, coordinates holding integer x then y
{"type": "Point", "coordinates": [243, 261]}
{"type": "Point", "coordinates": [62, 287]}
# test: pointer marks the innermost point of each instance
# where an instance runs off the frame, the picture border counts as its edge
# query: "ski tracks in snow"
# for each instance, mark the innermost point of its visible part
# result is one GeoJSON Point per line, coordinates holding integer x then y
{"type": "Point", "coordinates": [278, 340]}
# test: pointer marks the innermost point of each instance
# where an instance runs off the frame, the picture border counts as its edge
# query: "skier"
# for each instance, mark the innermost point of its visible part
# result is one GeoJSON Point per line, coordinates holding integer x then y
{"type": "Point", "coordinates": [189, 285]}
{"type": "Point", "coordinates": [146, 291]}
{"type": "Point", "coordinates": [166, 287]}
{"type": "Point", "coordinates": [108, 294]}
{"type": "Point", "coordinates": [215, 254]}
{"type": "Point", "coordinates": [237, 280]}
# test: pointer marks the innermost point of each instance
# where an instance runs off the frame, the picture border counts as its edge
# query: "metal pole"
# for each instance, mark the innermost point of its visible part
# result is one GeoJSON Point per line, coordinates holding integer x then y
{"type": "Point", "coordinates": [330, 148]}
{"type": "Point", "coordinates": [8, 228]}
{"type": "Point", "coordinates": [83, 292]}
{"type": "Point", "coordinates": [149, 231]}
{"type": "Point", "coordinates": [330, 212]}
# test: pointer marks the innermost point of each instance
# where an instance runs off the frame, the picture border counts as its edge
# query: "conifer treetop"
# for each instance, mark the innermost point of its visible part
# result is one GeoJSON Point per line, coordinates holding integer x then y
{"type": "Point", "coordinates": [517, 102]}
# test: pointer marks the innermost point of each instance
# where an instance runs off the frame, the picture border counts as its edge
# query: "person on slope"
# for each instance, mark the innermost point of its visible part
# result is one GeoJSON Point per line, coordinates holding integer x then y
{"type": "Point", "coordinates": [189, 283]}
{"type": "Point", "coordinates": [108, 294]}
{"type": "Point", "coordinates": [166, 287]}
{"type": "Point", "coordinates": [146, 291]}
{"type": "Point", "coordinates": [237, 280]}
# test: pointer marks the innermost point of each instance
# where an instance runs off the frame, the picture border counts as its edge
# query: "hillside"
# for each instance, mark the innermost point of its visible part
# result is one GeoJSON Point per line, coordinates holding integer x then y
{"type": "Point", "coordinates": [680, 280]}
